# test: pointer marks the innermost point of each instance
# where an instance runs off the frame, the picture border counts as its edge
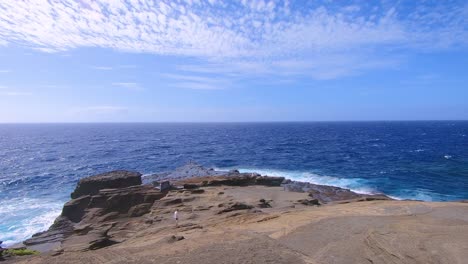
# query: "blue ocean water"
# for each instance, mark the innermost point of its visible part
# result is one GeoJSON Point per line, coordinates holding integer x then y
{"type": "Point", "coordinates": [41, 163]}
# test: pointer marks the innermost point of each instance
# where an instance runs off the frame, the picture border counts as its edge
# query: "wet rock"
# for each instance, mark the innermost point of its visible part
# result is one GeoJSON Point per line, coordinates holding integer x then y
{"type": "Point", "coordinates": [109, 180]}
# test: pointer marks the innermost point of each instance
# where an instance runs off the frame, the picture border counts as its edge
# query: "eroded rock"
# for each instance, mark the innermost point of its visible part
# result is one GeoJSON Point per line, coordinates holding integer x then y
{"type": "Point", "coordinates": [109, 180]}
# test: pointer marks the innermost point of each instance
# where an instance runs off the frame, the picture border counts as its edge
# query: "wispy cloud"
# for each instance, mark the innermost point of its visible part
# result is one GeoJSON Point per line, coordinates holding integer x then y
{"type": "Point", "coordinates": [102, 68]}
{"type": "Point", "coordinates": [128, 85]}
{"type": "Point", "coordinates": [128, 66]}
{"type": "Point", "coordinates": [5, 71]}
{"type": "Point", "coordinates": [248, 36]}
{"type": "Point", "coordinates": [100, 110]}
{"type": "Point", "coordinates": [198, 82]}
{"type": "Point", "coordinates": [10, 93]}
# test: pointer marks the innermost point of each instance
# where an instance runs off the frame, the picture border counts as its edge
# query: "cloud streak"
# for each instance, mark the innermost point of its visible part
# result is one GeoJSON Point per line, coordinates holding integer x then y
{"type": "Point", "coordinates": [99, 110]}
{"type": "Point", "coordinates": [102, 68]}
{"type": "Point", "coordinates": [128, 85]}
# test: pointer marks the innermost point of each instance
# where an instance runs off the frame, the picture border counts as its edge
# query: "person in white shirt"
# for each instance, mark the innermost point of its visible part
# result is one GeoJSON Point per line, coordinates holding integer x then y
{"type": "Point", "coordinates": [176, 217]}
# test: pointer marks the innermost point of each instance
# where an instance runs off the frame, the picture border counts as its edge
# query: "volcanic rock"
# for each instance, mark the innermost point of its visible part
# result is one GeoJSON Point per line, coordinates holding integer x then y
{"type": "Point", "coordinates": [109, 180]}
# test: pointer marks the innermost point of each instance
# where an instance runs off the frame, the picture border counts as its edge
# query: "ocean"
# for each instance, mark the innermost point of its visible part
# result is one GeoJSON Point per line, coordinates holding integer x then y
{"type": "Point", "coordinates": [41, 163]}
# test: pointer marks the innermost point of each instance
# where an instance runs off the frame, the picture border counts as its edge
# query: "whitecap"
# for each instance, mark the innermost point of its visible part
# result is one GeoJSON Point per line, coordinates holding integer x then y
{"type": "Point", "coordinates": [357, 185]}
{"type": "Point", "coordinates": [420, 194]}
{"type": "Point", "coordinates": [20, 218]}
{"type": "Point", "coordinates": [447, 157]}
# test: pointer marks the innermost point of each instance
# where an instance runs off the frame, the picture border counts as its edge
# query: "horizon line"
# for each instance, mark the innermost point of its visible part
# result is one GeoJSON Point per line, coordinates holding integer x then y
{"type": "Point", "coordinates": [234, 122]}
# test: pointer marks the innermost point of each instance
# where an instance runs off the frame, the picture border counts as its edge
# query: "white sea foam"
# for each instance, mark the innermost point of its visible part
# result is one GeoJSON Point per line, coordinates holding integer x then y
{"type": "Point", "coordinates": [20, 218]}
{"type": "Point", "coordinates": [357, 185]}
{"type": "Point", "coordinates": [423, 195]}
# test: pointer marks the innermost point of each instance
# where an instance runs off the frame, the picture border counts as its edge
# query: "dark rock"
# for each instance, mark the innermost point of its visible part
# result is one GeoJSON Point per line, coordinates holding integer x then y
{"type": "Point", "coordinates": [110, 180]}
{"type": "Point", "coordinates": [80, 214]}
{"type": "Point", "coordinates": [82, 229]}
{"type": "Point", "coordinates": [101, 242]}
{"type": "Point", "coordinates": [236, 206]}
{"type": "Point", "coordinates": [57, 252]}
{"type": "Point", "coordinates": [189, 186]}
{"type": "Point", "coordinates": [243, 179]}
{"type": "Point", "coordinates": [61, 229]}
{"type": "Point", "coordinates": [139, 209]}
{"type": "Point", "coordinates": [326, 194]}
{"type": "Point", "coordinates": [165, 186]}
{"type": "Point", "coordinates": [309, 202]}
{"type": "Point", "coordinates": [171, 201]}
{"type": "Point", "coordinates": [175, 238]}
{"type": "Point", "coordinates": [197, 191]}
{"type": "Point", "coordinates": [286, 181]}
{"type": "Point", "coordinates": [264, 204]}
{"type": "Point", "coordinates": [269, 181]}
{"type": "Point", "coordinates": [111, 201]}
{"type": "Point", "coordinates": [75, 209]}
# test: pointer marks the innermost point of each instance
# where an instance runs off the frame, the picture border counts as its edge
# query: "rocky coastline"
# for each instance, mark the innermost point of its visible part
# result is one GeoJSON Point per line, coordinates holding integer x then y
{"type": "Point", "coordinates": [121, 217]}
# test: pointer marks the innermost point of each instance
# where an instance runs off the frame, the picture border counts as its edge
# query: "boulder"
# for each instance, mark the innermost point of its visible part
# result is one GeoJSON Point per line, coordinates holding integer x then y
{"type": "Point", "coordinates": [109, 180]}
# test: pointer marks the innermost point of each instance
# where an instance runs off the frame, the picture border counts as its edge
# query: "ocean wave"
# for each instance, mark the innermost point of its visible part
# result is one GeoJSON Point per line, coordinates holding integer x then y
{"type": "Point", "coordinates": [357, 185]}
{"type": "Point", "coordinates": [20, 218]}
{"type": "Point", "coordinates": [421, 195]}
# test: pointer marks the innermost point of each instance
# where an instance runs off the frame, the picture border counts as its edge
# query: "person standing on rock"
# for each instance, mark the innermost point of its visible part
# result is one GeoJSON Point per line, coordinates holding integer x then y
{"type": "Point", "coordinates": [176, 217]}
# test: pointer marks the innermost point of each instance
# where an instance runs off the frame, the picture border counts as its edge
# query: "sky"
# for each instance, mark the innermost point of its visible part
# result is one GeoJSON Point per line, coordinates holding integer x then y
{"type": "Point", "coordinates": [232, 61]}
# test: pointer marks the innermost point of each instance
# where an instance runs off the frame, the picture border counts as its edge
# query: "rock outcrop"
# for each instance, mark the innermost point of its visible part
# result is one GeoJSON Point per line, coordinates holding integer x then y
{"type": "Point", "coordinates": [109, 180]}
{"type": "Point", "coordinates": [264, 220]}
{"type": "Point", "coordinates": [327, 194]}
{"type": "Point", "coordinates": [103, 206]}
{"type": "Point", "coordinates": [244, 179]}
{"type": "Point", "coordinates": [96, 201]}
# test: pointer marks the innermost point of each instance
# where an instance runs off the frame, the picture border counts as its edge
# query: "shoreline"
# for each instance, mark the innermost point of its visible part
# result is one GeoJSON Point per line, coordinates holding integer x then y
{"type": "Point", "coordinates": [222, 171]}
{"type": "Point", "coordinates": [115, 217]}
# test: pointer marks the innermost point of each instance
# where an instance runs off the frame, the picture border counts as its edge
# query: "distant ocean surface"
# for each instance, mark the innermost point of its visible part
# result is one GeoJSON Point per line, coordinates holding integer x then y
{"type": "Point", "coordinates": [41, 163]}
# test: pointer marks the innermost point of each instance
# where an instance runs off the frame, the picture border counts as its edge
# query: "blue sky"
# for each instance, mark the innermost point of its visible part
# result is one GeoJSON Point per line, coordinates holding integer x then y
{"type": "Point", "coordinates": [188, 60]}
